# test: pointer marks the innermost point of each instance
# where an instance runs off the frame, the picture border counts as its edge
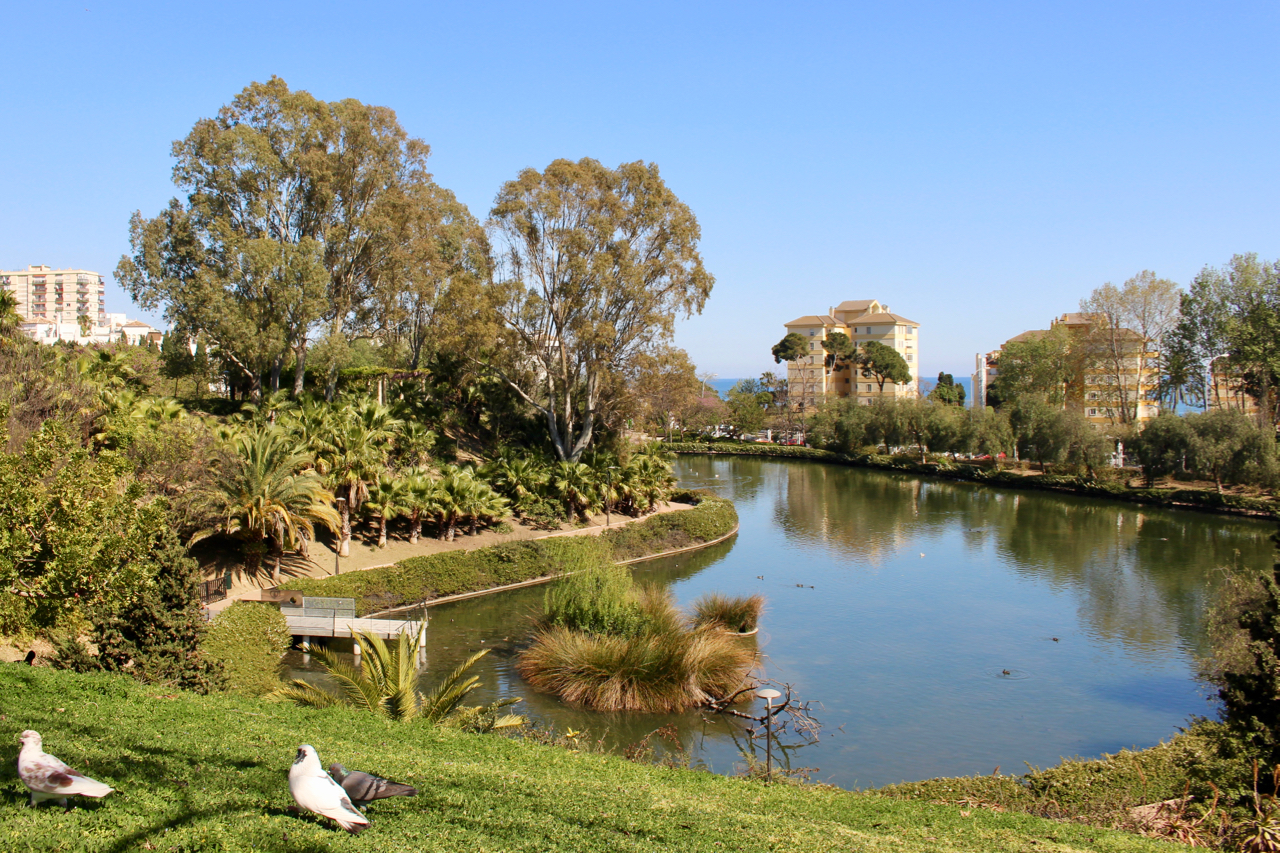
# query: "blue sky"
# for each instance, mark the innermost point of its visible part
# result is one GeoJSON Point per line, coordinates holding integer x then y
{"type": "Point", "coordinates": [978, 166]}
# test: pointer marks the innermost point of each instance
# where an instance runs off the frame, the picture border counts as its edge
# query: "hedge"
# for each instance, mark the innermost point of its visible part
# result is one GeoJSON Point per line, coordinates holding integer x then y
{"type": "Point", "coordinates": [977, 473]}
{"type": "Point", "coordinates": [248, 639]}
{"type": "Point", "coordinates": [420, 579]}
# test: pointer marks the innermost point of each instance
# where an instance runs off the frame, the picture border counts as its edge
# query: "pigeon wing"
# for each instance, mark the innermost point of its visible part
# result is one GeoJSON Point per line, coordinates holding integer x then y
{"type": "Point", "coordinates": [325, 797]}
{"type": "Point", "coordinates": [364, 787]}
{"type": "Point", "coordinates": [45, 774]}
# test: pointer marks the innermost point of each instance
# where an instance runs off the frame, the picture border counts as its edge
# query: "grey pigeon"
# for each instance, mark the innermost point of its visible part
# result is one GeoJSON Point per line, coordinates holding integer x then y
{"type": "Point", "coordinates": [315, 791]}
{"type": "Point", "coordinates": [364, 788]}
{"type": "Point", "coordinates": [47, 778]}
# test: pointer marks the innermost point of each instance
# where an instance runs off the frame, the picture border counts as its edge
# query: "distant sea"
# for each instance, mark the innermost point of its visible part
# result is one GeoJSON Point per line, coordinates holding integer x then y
{"type": "Point", "coordinates": [722, 386]}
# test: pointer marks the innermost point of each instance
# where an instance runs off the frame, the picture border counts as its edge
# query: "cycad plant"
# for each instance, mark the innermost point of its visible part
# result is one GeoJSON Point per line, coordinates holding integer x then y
{"type": "Point", "coordinates": [387, 685]}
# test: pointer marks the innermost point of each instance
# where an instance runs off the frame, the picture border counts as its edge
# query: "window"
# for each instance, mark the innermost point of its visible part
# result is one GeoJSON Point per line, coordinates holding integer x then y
{"type": "Point", "coordinates": [910, 357]}
{"type": "Point", "coordinates": [813, 332]}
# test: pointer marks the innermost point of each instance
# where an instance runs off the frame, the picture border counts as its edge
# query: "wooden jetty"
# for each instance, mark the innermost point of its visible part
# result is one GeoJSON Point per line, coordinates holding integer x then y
{"type": "Point", "coordinates": [309, 617]}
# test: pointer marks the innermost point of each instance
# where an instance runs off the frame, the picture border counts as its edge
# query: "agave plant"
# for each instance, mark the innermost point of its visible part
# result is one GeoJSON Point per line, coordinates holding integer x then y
{"type": "Point", "coordinates": [387, 685]}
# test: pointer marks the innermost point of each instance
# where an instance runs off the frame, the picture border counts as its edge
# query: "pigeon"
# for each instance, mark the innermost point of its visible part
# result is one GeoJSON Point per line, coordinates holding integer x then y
{"type": "Point", "coordinates": [364, 788]}
{"type": "Point", "coordinates": [47, 778]}
{"type": "Point", "coordinates": [315, 791]}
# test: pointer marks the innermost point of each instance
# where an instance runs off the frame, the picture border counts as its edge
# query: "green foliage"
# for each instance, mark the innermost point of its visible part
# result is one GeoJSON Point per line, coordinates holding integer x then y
{"type": "Point", "coordinates": [883, 364]}
{"type": "Point", "coordinates": [77, 534]}
{"type": "Point", "coordinates": [947, 391]}
{"type": "Point", "coordinates": [247, 640]}
{"type": "Point", "coordinates": [386, 684]}
{"type": "Point", "coordinates": [598, 600]}
{"type": "Point", "coordinates": [602, 262]}
{"type": "Point", "coordinates": [712, 518]}
{"type": "Point", "coordinates": [156, 637]}
{"type": "Point", "coordinates": [747, 406]}
{"type": "Point", "coordinates": [1245, 631]}
{"type": "Point", "coordinates": [790, 348]}
{"type": "Point", "coordinates": [1225, 445]}
{"type": "Point", "coordinates": [1161, 447]}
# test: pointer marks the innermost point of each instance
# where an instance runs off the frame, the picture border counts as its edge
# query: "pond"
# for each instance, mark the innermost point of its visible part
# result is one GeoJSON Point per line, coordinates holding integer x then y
{"type": "Point", "coordinates": [945, 628]}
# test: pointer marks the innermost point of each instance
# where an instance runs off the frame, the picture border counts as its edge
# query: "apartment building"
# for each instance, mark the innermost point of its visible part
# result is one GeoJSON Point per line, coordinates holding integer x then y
{"type": "Point", "coordinates": [811, 380]}
{"type": "Point", "coordinates": [58, 296]}
{"type": "Point", "coordinates": [1119, 369]}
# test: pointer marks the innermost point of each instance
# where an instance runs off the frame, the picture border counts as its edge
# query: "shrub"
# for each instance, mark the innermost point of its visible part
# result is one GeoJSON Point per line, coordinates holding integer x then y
{"type": "Point", "coordinates": [652, 673]}
{"type": "Point", "coordinates": [248, 639]}
{"type": "Point", "coordinates": [637, 653]}
{"type": "Point", "coordinates": [737, 613]}
{"type": "Point", "coordinates": [597, 601]}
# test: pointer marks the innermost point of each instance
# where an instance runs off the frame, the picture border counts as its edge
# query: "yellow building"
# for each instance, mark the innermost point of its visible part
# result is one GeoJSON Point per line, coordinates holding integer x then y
{"type": "Point", "coordinates": [811, 380]}
{"type": "Point", "coordinates": [1117, 369]}
{"type": "Point", "coordinates": [59, 296]}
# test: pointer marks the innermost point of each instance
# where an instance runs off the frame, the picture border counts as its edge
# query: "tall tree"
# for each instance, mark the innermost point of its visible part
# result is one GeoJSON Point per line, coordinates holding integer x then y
{"type": "Point", "coordinates": [1129, 324]}
{"type": "Point", "coordinates": [883, 364]}
{"type": "Point", "coordinates": [1040, 366]}
{"type": "Point", "coordinates": [665, 383]}
{"type": "Point", "coordinates": [596, 264]}
{"type": "Point", "coordinates": [293, 213]}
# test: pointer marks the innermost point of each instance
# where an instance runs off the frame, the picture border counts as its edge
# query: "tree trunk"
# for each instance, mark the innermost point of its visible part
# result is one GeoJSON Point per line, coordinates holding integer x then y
{"type": "Point", "coordinates": [452, 531]}
{"type": "Point", "coordinates": [277, 367]}
{"type": "Point", "coordinates": [344, 545]}
{"type": "Point", "coordinates": [300, 368]}
{"type": "Point", "coordinates": [415, 527]}
{"type": "Point", "coordinates": [382, 531]}
{"type": "Point", "coordinates": [304, 547]}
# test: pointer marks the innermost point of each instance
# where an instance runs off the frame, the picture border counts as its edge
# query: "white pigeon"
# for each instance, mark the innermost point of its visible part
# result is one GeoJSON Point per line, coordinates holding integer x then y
{"type": "Point", "coordinates": [315, 791]}
{"type": "Point", "coordinates": [48, 778]}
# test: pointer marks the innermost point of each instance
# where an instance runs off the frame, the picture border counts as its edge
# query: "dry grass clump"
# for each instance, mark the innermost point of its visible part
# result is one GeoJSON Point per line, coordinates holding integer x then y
{"type": "Point", "coordinates": [659, 664]}
{"type": "Point", "coordinates": [732, 613]}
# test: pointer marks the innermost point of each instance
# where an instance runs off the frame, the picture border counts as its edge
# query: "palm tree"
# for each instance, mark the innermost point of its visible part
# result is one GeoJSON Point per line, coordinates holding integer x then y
{"type": "Point", "coordinates": [387, 685]}
{"type": "Point", "coordinates": [519, 478]}
{"type": "Point", "coordinates": [420, 498]}
{"type": "Point", "coordinates": [351, 453]}
{"type": "Point", "coordinates": [386, 500]}
{"type": "Point", "coordinates": [264, 491]}
{"type": "Point", "coordinates": [572, 482]}
{"type": "Point", "coordinates": [10, 320]}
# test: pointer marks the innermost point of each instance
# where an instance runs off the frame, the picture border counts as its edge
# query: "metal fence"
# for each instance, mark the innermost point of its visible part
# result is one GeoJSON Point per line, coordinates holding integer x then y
{"type": "Point", "coordinates": [214, 590]}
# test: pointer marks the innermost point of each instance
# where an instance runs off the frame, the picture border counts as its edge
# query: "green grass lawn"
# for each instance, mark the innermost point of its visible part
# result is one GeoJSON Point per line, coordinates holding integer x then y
{"type": "Point", "coordinates": [197, 773]}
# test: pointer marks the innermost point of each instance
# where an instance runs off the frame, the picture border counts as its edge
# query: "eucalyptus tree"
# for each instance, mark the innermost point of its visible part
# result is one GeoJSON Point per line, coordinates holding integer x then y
{"type": "Point", "coordinates": [294, 213]}
{"type": "Point", "coordinates": [595, 266]}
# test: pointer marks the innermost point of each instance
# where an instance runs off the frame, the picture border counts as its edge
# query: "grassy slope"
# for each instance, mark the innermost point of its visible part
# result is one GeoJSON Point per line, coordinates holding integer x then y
{"type": "Point", "coordinates": [208, 773]}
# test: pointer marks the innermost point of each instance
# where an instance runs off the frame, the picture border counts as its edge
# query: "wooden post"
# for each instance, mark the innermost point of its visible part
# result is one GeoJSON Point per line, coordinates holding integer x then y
{"type": "Point", "coordinates": [355, 650]}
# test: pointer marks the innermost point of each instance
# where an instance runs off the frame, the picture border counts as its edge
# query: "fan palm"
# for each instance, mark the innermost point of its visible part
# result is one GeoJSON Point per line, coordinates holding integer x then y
{"type": "Point", "coordinates": [10, 319]}
{"type": "Point", "coordinates": [350, 454]}
{"type": "Point", "coordinates": [573, 483]}
{"type": "Point", "coordinates": [518, 478]}
{"type": "Point", "coordinates": [264, 491]}
{"type": "Point", "coordinates": [420, 499]}
{"type": "Point", "coordinates": [386, 500]}
{"type": "Point", "coordinates": [387, 684]}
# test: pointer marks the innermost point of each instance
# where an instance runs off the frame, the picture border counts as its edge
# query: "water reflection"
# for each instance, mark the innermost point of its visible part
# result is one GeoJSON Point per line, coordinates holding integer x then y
{"type": "Point", "coordinates": [900, 603]}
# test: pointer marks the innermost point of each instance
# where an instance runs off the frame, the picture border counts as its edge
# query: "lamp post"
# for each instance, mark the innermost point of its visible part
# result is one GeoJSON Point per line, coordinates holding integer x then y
{"type": "Point", "coordinates": [337, 551]}
{"type": "Point", "coordinates": [706, 377]}
{"type": "Point", "coordinates": [768, 695]}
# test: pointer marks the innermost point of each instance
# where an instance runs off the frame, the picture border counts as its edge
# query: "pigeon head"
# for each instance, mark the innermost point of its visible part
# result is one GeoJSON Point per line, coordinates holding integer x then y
{"type": "Point", "coordinates": [308, 759]}
{"type": "Point", "coordinates": [30, 737]}
{"type": "Point", "coordinates": [338, 772]}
